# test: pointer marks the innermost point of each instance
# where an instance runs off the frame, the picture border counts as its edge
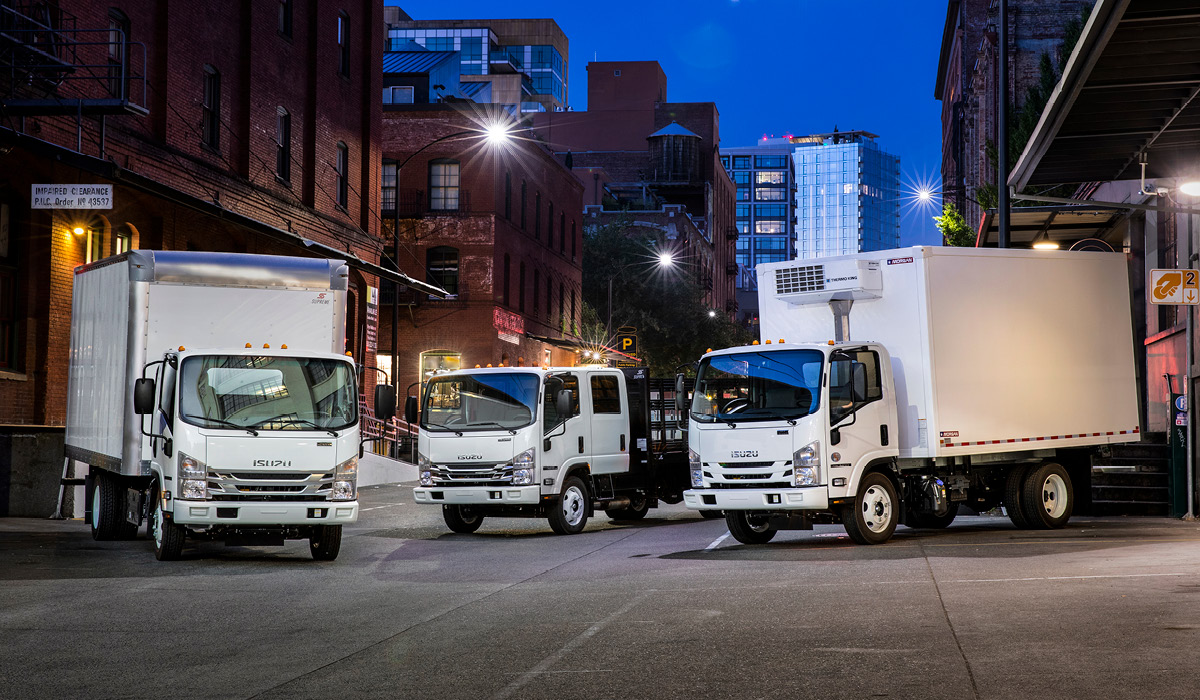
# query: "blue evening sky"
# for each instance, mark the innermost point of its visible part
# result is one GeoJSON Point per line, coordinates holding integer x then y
{"type": "Point", "coordinates": [773, 67]}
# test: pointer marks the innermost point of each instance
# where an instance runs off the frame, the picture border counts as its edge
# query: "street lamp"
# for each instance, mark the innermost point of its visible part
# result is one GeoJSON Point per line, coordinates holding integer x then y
{"type": "Point", "coordinates": [665, 259]}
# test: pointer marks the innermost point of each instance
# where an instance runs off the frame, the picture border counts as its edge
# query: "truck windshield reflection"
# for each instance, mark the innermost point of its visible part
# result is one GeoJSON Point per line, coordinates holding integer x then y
{"type": "Point", "coordinates": [462, 403]}
{"type": "Point", "coordinates": [758, 386]}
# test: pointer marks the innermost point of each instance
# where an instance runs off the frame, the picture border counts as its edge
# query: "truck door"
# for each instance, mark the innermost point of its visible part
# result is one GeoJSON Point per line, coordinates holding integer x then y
{"type": "Point", "coordinates": [610, 424]}
{"type": "Point", "coordinates": [862, 424]}
{"type": "Point", "coordinates": [570, 438]}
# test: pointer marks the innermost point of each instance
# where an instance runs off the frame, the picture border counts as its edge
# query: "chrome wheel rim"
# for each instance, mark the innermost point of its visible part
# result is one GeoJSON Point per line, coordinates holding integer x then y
{"type": "Point", "coordinates": [877, 509]}
{"type": "Point", "coordinates": [158, 525]}
{"type": "Point", "coordinates": [759, 524]}
{"type": "Point", "coordinates": [1054, 496]}
{"type": "Point", "coordinates": [96, 506]}
{"type": "Point", "coordinates": [573, 507]}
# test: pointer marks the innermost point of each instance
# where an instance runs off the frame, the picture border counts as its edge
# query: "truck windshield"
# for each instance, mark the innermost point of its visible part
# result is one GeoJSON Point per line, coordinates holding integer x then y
{"type": "Point", "coordinates": [758, 386]}
{"type": "Point", "coordinates": [462, 402]}
{"type": "Point", "coordinates": [269, 393]}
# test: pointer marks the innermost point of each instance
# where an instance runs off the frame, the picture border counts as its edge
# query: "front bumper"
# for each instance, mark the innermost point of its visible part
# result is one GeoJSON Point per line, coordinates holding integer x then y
{"type": "Point", "coordinates": [809, 498]}
{"type": "Point", "coordinates": [479, 495]}
{"type": "Point", "coordinates": [201, 513]}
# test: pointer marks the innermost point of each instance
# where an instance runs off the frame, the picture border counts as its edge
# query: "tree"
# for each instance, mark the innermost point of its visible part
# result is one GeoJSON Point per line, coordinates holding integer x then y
{"type": "Point", "coordinates": [954, 228]}
{"type": "Point", "coordinates": [666, 306]}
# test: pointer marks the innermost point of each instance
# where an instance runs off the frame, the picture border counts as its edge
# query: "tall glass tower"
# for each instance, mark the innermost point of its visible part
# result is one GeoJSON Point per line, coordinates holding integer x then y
{"type": "Point", "coordinates": [847, 194]}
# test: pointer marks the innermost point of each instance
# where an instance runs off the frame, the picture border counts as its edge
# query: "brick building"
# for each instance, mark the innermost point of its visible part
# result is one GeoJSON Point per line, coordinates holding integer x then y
{"type": "Point", "coordinates": [967, 83]}
{"type": "Point", "coordinates": [499, 227]}
{"type": "Point", "coordinates": [250, 130]}
{"type": "Point", "coordinates": [648, 153]}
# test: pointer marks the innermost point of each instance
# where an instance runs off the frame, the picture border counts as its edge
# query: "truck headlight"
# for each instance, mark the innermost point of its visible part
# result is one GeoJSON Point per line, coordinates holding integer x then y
{"type": "Point", "coordinates": [193, 478]}
{"type": "Point", "coordinates": [523, 469]}
{"type": "Point", "coordinates": [345, 481]}
{"type": "Point", "coordinates": [695, 468]}
{"type": "Point", "coordinates": [806, 465]}
{"type": "Point", "coordinates": [424, 470]}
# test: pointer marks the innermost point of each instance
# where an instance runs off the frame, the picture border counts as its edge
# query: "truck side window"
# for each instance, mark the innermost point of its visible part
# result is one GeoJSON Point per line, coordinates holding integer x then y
{"type": "Point", "coordinates": [606, 394]}
{"type": "Point", "coordinates": [550, 417]}
{"type": "Point", "coordinates": [166, 399]}
{"type": "Point", "coordinates": [861, 367]}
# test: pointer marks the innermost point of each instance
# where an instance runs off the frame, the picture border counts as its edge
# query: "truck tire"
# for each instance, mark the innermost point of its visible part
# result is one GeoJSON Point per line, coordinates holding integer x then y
{"type": "Point", "coordinates": [711, 514]}
{"type": "Point", "coordinates": [461, 519]}
{"type": "Point", "coordinates": [1047, 497]}
{"type": "Point", "coordinates": [929, 521]}
{"type": "Point", "coordinates": [638, 507]}
{"type": "Point", "coordinates": [569, 514]}
{"type": "Point", "coordinates": [1013, 485]}
{"type": "Point", "coordinates": [748, 527]}
{"type": "Point", "coordinates": [325, 542]}
{"type": "Point", "coordinates": [105, 514]}
{"type": "Point", "coordinates": [871, 518]}
{"type": "Point", "coordinates": [168, 537]}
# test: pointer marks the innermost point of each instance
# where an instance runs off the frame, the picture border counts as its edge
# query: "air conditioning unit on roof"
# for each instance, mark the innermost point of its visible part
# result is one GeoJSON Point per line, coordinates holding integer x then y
{"type": "Point", "coordinates": [836, 279]}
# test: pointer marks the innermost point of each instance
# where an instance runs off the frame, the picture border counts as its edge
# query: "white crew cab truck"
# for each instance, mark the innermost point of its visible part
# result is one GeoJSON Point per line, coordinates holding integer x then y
{"type": "Point", "coordinates": [211, 398]}
{"type": "Point", "coordinates": [893, 386]}
{"type": "Point", "coordinates": [551, 442]}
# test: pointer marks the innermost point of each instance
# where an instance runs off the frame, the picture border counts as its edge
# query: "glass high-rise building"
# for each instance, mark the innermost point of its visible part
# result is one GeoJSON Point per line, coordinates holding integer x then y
{"type": "Point", "coordinates": [847, 194]}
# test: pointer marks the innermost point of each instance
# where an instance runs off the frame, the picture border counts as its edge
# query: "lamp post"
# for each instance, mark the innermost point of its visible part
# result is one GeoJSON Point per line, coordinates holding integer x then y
{"type": "Point", "coordinates": [665, 259]}
{"type": "Point", "coordinates": [496, 133]}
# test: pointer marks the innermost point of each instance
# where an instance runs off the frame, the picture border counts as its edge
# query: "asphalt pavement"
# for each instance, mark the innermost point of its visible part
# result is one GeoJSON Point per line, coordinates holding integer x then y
{"type": "Point", "coordinates": [670, 607]}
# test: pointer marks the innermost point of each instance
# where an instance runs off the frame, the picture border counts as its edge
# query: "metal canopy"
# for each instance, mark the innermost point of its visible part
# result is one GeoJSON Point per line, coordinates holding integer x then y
{"type": "Point", "coordinates": [1132, 86]}
{"type": "Point", "coordinates": [1065, 226]}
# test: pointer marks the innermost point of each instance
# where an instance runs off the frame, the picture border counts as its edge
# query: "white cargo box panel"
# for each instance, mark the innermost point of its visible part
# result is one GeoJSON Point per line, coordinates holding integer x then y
{"type": "Point", "coordinates": [133, 308]}
{"type": "Point", "coordinates": [992, 350]}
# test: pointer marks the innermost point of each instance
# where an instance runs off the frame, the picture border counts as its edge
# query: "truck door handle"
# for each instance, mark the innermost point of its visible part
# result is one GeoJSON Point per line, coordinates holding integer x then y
{"type": "Point", "coordinates": [883, 435]}
{"type": "Point", "coordinates": [580, 444]}
{"type": "Point", "coordinates": [622, 442]}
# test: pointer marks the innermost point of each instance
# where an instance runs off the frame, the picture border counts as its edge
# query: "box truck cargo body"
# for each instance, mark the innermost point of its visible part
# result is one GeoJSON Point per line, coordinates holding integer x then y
{"type": "Point", "coordinates": [210, 394]}
{"type": "Point", "coordinates": [956, 376]}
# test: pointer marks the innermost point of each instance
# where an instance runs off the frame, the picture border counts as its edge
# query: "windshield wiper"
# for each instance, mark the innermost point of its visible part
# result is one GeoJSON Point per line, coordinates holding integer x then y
{"type": "Point", "coordinates": [284, 418]}
{"type": "Point", "coordinates": [219, 421]}
{"type": "Point", "coordinates": [491, 422]}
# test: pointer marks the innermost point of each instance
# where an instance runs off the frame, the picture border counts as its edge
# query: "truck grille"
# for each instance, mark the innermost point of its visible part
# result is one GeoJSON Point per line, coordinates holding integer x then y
{"type": "Point", "coordinates": [745, 465]}
{"type": "Point", "coordinates": [793, 280]}
{"type": "Point", "coordinates": [733, 475]}
{"type": "Point", "coordinates": [473, 473]}
{"type": "Point", "coordinates": [268, 486]}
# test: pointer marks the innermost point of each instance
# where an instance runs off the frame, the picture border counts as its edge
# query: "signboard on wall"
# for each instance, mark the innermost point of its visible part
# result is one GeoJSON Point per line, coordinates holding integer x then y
{"type": "Point", "coordinates": [54, 196]}
{"type": "Point", "coordinates": [509, 326]}
{"type": "Point", "coordinates": [1174, 287]}
{"type": "Point", "coordinates": [372, 319]}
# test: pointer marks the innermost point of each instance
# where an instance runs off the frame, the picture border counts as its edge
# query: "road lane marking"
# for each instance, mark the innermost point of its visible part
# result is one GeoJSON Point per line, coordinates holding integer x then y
{"type": "Point", "coordinates": [557, 656]}
{"type": "Point", "coordinates": [386, 505]}
{"type": "Point", "coordinates": [1058, 578]}
{"type": "Point", "coordinates": [718, 541]}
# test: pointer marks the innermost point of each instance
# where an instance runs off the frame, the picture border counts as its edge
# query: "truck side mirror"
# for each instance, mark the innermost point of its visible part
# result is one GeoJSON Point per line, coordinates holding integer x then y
{"type": "Point", "coordinates": [562, 404]}
{"type": "Point", "coordinates": [385, 401]}
{"type": "Point", "coordinates": [680, 393]}
{"type": "Point", "coordinates": [143, 396]}
{"type": "Point", "coordinates": [411, 410]}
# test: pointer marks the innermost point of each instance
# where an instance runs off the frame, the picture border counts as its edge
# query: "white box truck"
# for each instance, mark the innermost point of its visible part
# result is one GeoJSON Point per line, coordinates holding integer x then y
{"type": "Point", "coordinates": [893, 386]}
{"type": "Point", "coordinates": [211, 397]}
{"type": "Point", "coordinates": [553, 443]}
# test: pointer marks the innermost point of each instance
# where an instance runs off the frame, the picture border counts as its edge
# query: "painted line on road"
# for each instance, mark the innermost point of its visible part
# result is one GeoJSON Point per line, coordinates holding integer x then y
{"type": "Point", "coordinates": [386, 505]}
{"type": "Point", "coordinates": [557, 656]}
{"type": "Point", "coordinates": [1059, 578]}
{"type": "Point", "coordinates": [718, 541]}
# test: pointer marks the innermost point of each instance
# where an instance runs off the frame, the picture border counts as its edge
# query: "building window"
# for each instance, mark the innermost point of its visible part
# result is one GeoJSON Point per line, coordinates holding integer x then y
{"type": "Point", "coordinates": [388, 186]}
{"type": "Point", "coordinates": [285, 18]}
{"type": "Point", "coordinates": [443, 185]}
{"type": "Point", "coordinates": [398, 95]}
{"type": "Point", "coordinates": [210, 109]}
{"type": "Point", "coordinates": [283, 144]}
{"type": "Point", "coordinates": [521, 290]}
{"type": "Point", "coordinates": [571, 320]}
{"type": "Point", "coordinates": [574, 240]}
{"type": "Point", "coordinates": [508, 196]}
{"type": "Point", "coordinates": [343, 42]}
{"type": "Point", "coordinates": [507, 280]}
{"type": "Point", "coordinates": [118, 45]}
{"type": "Point", "coordinates": [741, 162]}
{"type": "Point", "coordinates": [550, 228]}
{"type": "Point", "coordinates": [341, 169]}
{"type": "Point", "coordinates": [562, 232]}
{"type": "Point", "coordinates": [537, 216]}
{"type": "Point", "coordinates": [561, 300]}
{"type": "Point", "coordinates": [524, 189]}
{"type": "Point", "coordinates": [537, 289]}
{"type": "Point", "coordinates": [122, 239]}
{"type": "Point", "coordinates": [549, 295]}
{"type": "Point", "coordinates": [441, 263]}
{"type": "Point", "coordinates": [8, 317]}
{"type": "Point", "coordinates": [770, 161]}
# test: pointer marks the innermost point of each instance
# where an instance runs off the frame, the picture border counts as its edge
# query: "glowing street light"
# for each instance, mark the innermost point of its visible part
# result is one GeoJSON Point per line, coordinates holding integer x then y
{"type": "Point", "coordinates": [665, 259]}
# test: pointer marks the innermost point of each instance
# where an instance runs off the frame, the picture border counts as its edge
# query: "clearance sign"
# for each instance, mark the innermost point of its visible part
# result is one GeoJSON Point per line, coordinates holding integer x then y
{"type": "Point", "coordinates": [1174, 287]}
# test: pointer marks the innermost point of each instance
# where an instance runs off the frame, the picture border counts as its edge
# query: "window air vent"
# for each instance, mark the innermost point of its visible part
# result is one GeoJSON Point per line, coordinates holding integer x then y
{"type": "Point", "coordinates": [794, 280]}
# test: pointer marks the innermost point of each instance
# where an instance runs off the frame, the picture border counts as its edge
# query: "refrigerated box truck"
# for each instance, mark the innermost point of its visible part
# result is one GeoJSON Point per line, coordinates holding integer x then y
{"type": "Point", "coordinates": [212, 399]}
{"type": "Point", "coordinates": [552, 443]}
{"type": "Point", "coordinates": [894, 386]}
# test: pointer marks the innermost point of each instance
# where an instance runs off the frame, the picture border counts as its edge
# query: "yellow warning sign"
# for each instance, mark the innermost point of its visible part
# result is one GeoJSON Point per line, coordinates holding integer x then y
{"type": "Point", "coordinates": [1174, 287]}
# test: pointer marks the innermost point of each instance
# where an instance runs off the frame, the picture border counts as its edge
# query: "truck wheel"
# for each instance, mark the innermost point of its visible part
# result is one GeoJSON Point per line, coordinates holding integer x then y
{"type": "Point", "coordinates": [638, 507]}
{"type": "Point", "coordinates": [871, 518]}
{"type": "Point", "coordinates": [711, 514]}
{"type": "Point", "coordinates": [105, 525]}
{"type": "Point", "coordinates": [1013, 484]}
{"type": "Point", "coordinates": [749, 528]}
{"type": "Point", "coordinates": [168, 537]}
{"type": "Point", "coordinates": [1047, 497]}
{"type": "Point", "coordinates": [929, 521]}
{"type": "Point", "coordinates": [570, 514]}
{"type": "Point", "coordinates": [325, 542]}
{"type": "Point", "coordinates": [461, 519]}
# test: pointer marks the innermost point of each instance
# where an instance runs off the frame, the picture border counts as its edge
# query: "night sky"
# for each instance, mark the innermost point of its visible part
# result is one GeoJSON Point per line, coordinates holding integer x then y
{"type": "Point", "coordinates": [773, 67]}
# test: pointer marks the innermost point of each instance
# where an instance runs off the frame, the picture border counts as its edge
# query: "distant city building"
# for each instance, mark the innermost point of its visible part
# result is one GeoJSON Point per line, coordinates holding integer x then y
{"type": "Point", "coordinates": [520, 64]}
{"type": "Point", "coordinates": [847, 194]}
{"type": "Point", "coordinates": [765, 211]}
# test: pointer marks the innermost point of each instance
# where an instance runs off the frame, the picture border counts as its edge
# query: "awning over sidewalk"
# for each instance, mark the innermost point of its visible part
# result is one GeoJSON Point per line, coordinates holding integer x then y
{"type": "Point", "coordinates": [1065, 225]}
{"type": "Point", "coordinates": [1131, 87]}
{"type": "Point", "coordinates": [128, 178]}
